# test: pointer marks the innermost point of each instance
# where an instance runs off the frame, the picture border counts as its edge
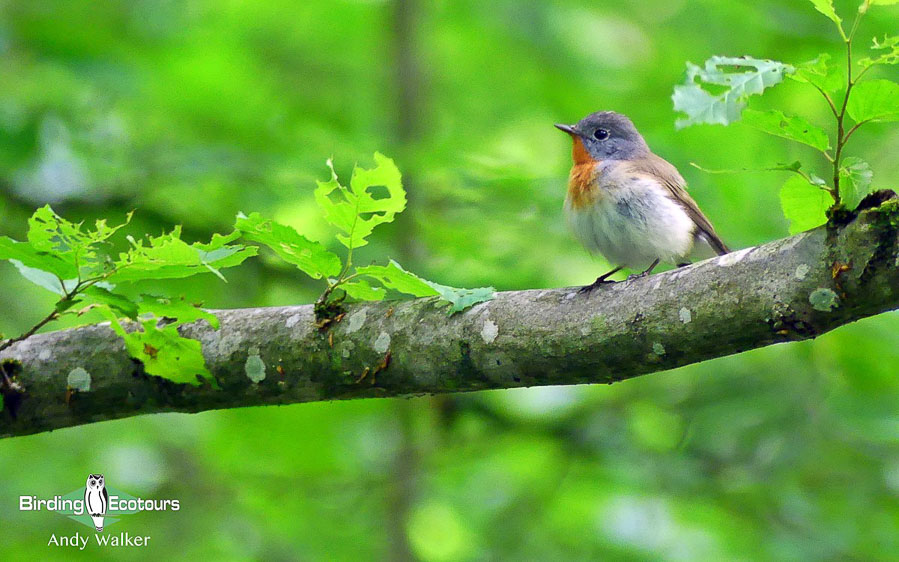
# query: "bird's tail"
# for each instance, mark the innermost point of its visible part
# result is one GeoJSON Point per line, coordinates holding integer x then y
{"type": "Point", "coordinates": [715, 243]}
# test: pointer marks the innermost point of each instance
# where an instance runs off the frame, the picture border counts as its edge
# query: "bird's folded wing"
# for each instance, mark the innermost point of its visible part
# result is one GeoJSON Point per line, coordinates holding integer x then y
{"type": "Point", "coordinates": [669, 178]}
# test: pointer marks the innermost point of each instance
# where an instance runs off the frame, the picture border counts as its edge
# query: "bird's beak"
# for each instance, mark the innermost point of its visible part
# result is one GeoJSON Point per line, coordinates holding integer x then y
{"type": "Point", "coordinates": [566, 128]}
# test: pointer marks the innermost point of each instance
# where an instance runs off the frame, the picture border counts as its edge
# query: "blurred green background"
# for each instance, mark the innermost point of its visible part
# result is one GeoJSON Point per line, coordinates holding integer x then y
{"type": "Point", "coordinates": [190, 111]}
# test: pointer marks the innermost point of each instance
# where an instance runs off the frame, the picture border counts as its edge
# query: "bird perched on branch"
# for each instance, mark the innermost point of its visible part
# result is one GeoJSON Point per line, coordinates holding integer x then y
{"type": "Point", "coordinates": [628, 204]}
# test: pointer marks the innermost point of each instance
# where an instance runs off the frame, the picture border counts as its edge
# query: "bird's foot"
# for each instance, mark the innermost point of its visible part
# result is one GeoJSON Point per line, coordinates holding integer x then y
{"type": "Point", "coordinates": [642, 274]}
{"type": "Point", "coordinates": [635, 276]}
{"type": "Point", "coordinates": [599, 282]}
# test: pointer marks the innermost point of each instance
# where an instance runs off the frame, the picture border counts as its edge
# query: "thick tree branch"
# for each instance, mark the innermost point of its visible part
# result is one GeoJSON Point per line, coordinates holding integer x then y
{"type": "Point", "coordinates": [791, 289]}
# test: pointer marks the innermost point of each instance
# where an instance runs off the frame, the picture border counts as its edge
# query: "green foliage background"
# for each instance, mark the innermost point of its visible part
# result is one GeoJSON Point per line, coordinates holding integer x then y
{"type": "Point", "coordinates": [192, 111]}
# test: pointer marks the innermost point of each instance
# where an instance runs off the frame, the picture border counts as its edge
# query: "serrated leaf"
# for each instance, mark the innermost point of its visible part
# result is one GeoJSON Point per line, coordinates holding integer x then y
{"type": "Point", "coordinates": [169, 257]}
{"type": "Point", "coordinates": [393, 276]}
{"type": "Point", "coordinates": [362, 290]}
{"type": "Point", "coordinates": [310, 257]}
{"type": "Point", "coordinates": [791, 127]}
{"type": "Point", "coordinates": [890, 46]}
{"type": "Point", "coordinates": [803, 204]}
{"type": "Point", "coordinates": [163, 352]}
{"type": "Point", "coordinates": [730, 73]}
{"type": "Point", "coordinates": [821, 73]}
{"type": "Point", "coordinates": [68, 241]}
{"type": "Point", "coordinates": [58, 247]}
{"type": "Point", "coordinates": [874, 100]}
{"type": "Point", "coordinates": [355, 210]}
{"type": "Point", "coordinates": [826, 8]}
{"type": "Point", "coordinates": [177, 309]}
{"type": "Point", "coordinates": [855, 181]}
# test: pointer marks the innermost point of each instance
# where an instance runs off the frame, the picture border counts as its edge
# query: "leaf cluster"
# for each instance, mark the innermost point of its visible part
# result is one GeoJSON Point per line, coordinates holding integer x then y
{"type": "Point", "coordinates": [354, 211]}
{"type": "Point", "coordinates": [79, 265]}
{"type": "Point", "coordinates": [719, 92]}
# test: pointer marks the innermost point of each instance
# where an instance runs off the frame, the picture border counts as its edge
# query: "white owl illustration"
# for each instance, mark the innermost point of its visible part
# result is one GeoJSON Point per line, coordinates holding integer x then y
{"type": "Point", "coordinates": [96, 499]}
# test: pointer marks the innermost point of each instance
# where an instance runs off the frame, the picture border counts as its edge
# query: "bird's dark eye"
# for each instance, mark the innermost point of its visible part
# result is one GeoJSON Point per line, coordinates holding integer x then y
{"type": "Point", "coordinates": [601, 134]}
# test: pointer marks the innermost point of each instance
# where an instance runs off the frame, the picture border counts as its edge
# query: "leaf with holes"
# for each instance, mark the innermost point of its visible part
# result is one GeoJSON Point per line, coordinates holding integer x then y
{"type": "Point", "coordinates": [791, 127]}
{"type": "Point", "coordinates": [890, 55]}
{"type": "Point", "coordinates": [804, 204]}
{"type": "Point", "coordinates": [724, 84]}
{"type": "Point", "coordinates": [59, 247]}
{"type": "Point", "coordinates": [309, 257]}
{"type": "Point", "coordinates": [855, 181]}
{"type": "Point", "coordinates": [168, 257]}
{"type": "Point", "coordinates": [356, 210]}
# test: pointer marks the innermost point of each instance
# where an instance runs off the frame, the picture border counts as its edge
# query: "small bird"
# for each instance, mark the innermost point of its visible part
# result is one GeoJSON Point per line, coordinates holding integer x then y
{"type": "Point", "coordinates": [628, 204]}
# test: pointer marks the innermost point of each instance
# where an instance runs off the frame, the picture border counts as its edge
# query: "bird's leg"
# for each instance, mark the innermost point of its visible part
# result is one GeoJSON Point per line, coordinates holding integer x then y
{"type": "Point", "coordinates": [644, 273]}
{"type": "Point", "coordinates": [602, 279]}
{"type": "Point", "coordinates": [684, 264]}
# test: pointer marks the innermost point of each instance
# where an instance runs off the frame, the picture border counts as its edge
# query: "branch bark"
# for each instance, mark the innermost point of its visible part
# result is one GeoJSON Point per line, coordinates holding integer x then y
{"type": "Point", "coordinates": [792, 289]}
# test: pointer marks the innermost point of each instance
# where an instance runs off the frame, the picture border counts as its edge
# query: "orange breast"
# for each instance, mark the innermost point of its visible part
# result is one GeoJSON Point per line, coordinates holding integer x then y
{"type": "Point", "coordinates": [582, 188]}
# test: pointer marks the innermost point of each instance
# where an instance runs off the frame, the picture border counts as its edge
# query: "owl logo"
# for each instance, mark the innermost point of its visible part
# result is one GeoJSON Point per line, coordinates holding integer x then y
{"type": "Point", "coordinates": [96, 499]}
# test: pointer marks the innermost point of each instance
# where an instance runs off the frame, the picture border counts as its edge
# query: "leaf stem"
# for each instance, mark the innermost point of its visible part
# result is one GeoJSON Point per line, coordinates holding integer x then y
{"type": "Point", "coordinates": [827, 97]}
{"type": "Point", "coordinates": [842, 136]}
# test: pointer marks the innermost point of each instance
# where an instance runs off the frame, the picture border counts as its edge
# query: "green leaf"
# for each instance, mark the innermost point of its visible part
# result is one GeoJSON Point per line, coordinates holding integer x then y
{"type": "Point", "coordinates": [821, 73]}
{"type": "Point", "coordinates": [791, 127]}
{"type": "Point", "coordinates": [48, 232]}
{"type": "Point", "coordinates": [179, 310]}
{"type": "Point", "coordinates": [310, 257]}
{"type": "Point", "coordinates": [804, 204]}
{"type": "Point", "coordinates": [890, 46]}
{"type": "Point", "coordinates": [356, 211]}
{"type": "Point", "coordinates": [363, 291]}
{"type": "Point", "coordinates": [826, 8]}
{"type": "Point", "coordinates": [855, 181]}
{"type": "Point", "coordinates": [169, 257]}
{"type": "Point", "coordinates": [45, 279]}
{"type": "Point", "coordinates": [874, 99]}
{"type": "Point", "coordinates": [30, 257]}
{"type": "Point", "coordinates": [739, 77]}
{"type": "Point", "coordinates": [883, 2]}
{"type": "Point", "coordinates": [163, 352]}
{"type": "Point", "coordinates": [393, 276]}
{"type": "Point", "coordinates": [119, 303]}
{"type": "Point", "coordinates": [460, 299]}
{"type": "Point", "coordinates": [58, 247]}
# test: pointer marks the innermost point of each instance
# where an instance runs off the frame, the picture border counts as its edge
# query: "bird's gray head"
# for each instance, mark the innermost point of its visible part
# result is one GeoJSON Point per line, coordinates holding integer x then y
{"type": "Point", "coordinates": [607, 135]}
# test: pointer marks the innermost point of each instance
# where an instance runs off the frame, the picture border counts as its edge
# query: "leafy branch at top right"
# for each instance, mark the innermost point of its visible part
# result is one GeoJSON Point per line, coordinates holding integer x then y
{"type": "Point", "coordinates": [718, 92]}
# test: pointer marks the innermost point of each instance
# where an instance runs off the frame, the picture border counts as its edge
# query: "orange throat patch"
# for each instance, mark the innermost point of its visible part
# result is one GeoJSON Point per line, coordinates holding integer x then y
{"type": "Point", "coordinates": [582, 179]}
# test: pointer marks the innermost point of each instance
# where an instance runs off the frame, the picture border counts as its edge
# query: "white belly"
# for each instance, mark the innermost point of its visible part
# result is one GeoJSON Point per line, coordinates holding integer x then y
{"type": "Point", "coordinates": [634, 225]}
